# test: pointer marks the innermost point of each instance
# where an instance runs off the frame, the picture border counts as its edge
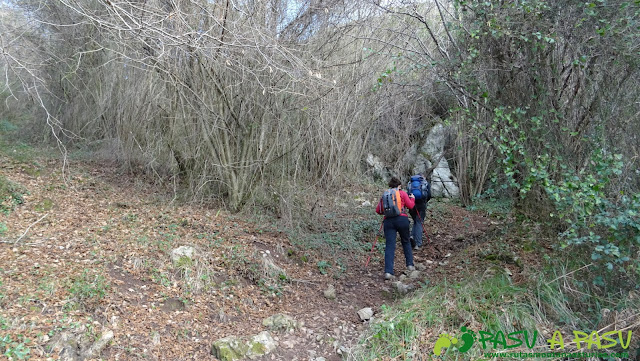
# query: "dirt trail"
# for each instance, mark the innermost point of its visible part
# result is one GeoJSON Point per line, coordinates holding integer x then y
{"type": "Point", "coordinates": [119, 233]}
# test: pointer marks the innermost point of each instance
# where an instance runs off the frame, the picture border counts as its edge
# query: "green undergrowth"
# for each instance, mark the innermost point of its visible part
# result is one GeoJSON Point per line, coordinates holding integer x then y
{"type": "Point", "coordinates": [494, 305]}
{"type": "Point", "coordinates": [352, 233]}
{"type": "Point", "coordinates": [87, 289]}
{"type": "Point", "coordinates": [498, 207]}
{"type": "Point", "coordinates": [507, 290]}
{"type": "Point", "coordinates": [333, 250]}
{"type": "Point", "coordinates": [13, 146]}
{"type": "Point", "coordinates": [11, 195]}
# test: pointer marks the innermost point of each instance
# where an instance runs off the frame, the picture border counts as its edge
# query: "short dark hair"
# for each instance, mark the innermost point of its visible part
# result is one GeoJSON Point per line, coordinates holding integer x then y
{"type": "Point", "coordinates": [394, 182]}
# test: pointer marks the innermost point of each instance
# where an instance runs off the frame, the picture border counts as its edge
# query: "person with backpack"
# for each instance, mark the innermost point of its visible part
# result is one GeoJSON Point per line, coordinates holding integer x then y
{"type": "Point", "coordinates": [420, 188]}
{"type": "Point", "coordinates": [395, 221]}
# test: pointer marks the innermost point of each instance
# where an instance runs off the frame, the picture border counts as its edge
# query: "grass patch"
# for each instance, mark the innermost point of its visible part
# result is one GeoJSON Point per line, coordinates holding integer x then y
{"type": "Point", "coordinates": [87, 290]}
{"type": "Point", "coordinates": [478, 307]}
{"type": "Point", "coordinates": [18, 151]}
{"type": "Point", "coordinates": [2, 299]}
{"type": "Point", "coordinates": [7, 127]}
{"type": "Point", "coordinates": [492, 304]}
{"type": "Point", "coordinates": [14, 349]}
{"type": "Point", "coordinates": [347, 235]}
{"type": "Point", "coordinates": [11, 195]}
{"type": "Point", "coordinates": [45, 205]}
{"type": "Point", "coordinates": [492, 207]}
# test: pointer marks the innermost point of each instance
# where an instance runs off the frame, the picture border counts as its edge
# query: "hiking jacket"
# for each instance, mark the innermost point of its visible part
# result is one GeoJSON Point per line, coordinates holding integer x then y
{"type": "Point", "coordinates": [406, 202]}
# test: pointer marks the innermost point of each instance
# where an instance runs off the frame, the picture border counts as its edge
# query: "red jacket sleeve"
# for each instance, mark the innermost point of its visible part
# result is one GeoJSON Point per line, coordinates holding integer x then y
{"type": "Point", "coordinates": [406, 200]}
{"type": "Point", "coordinates": [379, 207]}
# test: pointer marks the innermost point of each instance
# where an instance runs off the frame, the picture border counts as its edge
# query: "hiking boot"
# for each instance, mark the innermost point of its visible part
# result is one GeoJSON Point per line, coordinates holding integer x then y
{"type": "Point", "coordinates": [411, 268]}
{"type": "Point", "coordinates": [413, 242]}
{"type": "Point", "coordinates": [388, 276]}
{"type": "Point", "coordinates": [416, 248]}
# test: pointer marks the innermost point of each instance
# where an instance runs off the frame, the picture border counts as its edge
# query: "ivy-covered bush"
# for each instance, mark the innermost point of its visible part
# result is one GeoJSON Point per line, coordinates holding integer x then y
{"type": "Point", "coordinates": [552, 88]}
{"type": "Point", "coordinates": [608, 224]}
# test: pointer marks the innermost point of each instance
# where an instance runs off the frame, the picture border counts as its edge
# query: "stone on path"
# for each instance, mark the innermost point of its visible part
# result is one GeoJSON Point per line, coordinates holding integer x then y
{"type": "Point", "coordinates": [365, 314]}
{"type": "Point", "coordinates": [330, 293]}
{"type": "Point", "coordinates": [233, 348]}
{"type": "Point", "coordinates": [281, 321]}
{"type": "Point", "coordinates": [182, 253]}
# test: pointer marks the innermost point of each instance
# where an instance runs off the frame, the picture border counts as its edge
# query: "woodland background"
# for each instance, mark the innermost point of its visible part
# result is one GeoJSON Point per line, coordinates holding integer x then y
{"type": "Point", "coordinates": [267, 107]}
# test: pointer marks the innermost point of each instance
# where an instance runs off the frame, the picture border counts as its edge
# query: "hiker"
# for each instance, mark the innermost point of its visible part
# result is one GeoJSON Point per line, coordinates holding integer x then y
{"type": "Point", "coordinates": [395, 221]}
{"type": "Point", "coordinates": [421, 190]}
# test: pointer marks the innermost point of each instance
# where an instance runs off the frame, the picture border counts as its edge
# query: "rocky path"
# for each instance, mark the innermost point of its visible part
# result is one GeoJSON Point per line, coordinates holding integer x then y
{"type": "Point", "coordinates": [94, 274]}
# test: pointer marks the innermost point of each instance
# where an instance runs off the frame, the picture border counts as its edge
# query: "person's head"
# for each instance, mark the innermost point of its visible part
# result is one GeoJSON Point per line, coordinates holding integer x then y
{"type": "Point", "coordinates": [394, 182]}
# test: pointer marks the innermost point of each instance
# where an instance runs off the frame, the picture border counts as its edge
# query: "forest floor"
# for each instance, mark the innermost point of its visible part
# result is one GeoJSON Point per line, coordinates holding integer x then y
{"type": "Point", "coordinates": [92, 254]}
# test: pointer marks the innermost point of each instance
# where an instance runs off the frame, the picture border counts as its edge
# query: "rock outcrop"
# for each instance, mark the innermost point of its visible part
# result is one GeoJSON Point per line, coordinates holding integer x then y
{"type": "Point", "coordinates": [443, 183]}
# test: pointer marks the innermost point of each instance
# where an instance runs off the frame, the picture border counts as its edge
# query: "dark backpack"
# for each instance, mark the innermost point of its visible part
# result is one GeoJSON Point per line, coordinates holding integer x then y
{"type": "Point", "coordinates": [391, 202]}
{"type": "Point", "coordinates": [420, 188]}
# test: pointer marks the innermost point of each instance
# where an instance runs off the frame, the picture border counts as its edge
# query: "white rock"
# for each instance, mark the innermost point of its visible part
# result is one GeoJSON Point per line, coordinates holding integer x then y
{"type": "Point", "coordinates": [401, 287]}
{"type": "Point", "coordinates": [365, 313]}
{"type": "Point", "coordinates": [281, 321]}
{"type": "Point", "coordinates": [443, 183]}
{"type": "Point", "coordinates": [264, 338]}
{"type": "Point", "coordinates": [379, 169]}
{"type": "Point", "coordinates": [330, 293]}
{"type": "Point", "coordinates": [182, 251]}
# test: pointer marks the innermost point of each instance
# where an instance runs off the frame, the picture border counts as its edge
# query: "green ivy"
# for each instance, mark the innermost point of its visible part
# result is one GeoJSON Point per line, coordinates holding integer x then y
{"type": "Point", "coordinates": [88, 288]}
{"type": "Point", "coordinates": [609, 226]}
{"type": "Point", "coordinates": [14, 350]}
{"type": "Point", "coordinates": [524, 101]}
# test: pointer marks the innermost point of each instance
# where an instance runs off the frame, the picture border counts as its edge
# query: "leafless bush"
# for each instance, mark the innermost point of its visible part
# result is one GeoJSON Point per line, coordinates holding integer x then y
{"type": "Point", "coordinates": [227, 97]}
{"type": "Point", "coordinates": [473, 159]}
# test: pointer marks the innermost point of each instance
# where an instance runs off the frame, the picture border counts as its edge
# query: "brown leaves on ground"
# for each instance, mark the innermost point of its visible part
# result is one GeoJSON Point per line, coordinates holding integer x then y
{"type": "Point", "coordinates": [100, 260]}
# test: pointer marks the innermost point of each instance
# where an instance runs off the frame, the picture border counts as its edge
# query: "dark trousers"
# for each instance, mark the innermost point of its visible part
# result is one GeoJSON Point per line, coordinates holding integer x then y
{"type": "Point", "coordinates": [399, 224]}
{"type": "Point", "coordinates": [417, 229]}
